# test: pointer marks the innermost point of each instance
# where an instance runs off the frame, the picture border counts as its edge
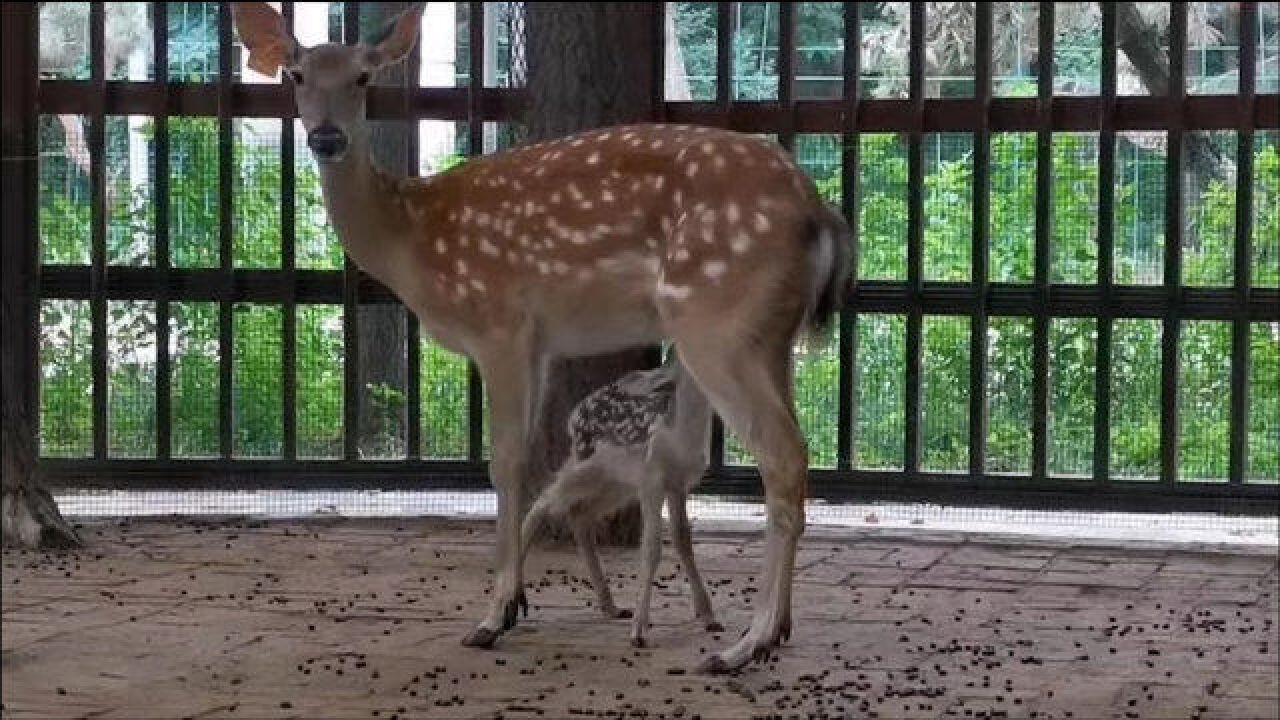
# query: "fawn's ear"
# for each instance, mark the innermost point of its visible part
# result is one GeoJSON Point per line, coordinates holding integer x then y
{"type": "Point", "coordinates": [264, 34]}
{"type": "Point", "coordinates": [398, 38]}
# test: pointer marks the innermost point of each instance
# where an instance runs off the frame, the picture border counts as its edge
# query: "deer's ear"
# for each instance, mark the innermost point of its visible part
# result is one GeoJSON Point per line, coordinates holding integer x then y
{"type": "Point", "coordinates": [398, 38]}
{"type": "Point", "coordinates": [263, 32]}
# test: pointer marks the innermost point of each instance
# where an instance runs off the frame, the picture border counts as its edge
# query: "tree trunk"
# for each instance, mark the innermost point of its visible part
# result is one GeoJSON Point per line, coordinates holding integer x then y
{"type": "Point", "coordinates": [382, 330]}
{"type": "Point", "coordinates": [29, 516]}
{"type": "Point", "coordinates": [590, 65]}
{"type": "Point", "coordinates": [1141, 44]}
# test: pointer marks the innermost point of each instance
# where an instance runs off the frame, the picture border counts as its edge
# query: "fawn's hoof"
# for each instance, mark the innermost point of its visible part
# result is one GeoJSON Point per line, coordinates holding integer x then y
{"type": "Point", "coordinates": [715, 627]}
{"type": "Point", "coordinates": [638, 642]}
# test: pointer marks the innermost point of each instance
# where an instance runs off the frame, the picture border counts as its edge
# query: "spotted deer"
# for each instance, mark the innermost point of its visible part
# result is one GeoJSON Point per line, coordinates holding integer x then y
{"type": "Point", "coordinates": [645, 436]}
{"type": "Point", "coordinates": [604, 240]}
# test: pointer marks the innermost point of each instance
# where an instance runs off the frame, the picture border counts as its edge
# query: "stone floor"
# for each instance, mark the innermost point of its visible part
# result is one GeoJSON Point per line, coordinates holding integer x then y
{"type": "Point", "coordinates": [339, 618]}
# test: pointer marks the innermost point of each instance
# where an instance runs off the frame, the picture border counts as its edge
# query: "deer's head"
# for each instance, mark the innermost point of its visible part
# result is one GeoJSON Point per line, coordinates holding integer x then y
{"type": "Point", "coordinates": [330, 80]}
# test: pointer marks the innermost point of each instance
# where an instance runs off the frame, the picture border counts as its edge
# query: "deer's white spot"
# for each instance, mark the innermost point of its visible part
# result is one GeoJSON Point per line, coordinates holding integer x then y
{"type": "Point", "coordinates": [714, 269]}
{"type": "Point", "coordinates": [680, 255]}
{"type": "Point", "coordinates": [593, 158]}
{"type": "Point", "coordinates": [708, 234]}
{"type": "Point", "coordinates": [578, 238]}
{"type": "Point", "coordinates": [738, 148]}
{"type": "Point", "coordinates": [524, 241]}
{"type": "Point", "coordinates": [762, 224]}
{"type": "Point", "coordinates": [665, 224]}
{"type": "Point", "coordinates": [655, 145]}
{"type": "Point", "coordinates": [691, 169]}
{"type": "Point", "coordinates": [464, 241]}
{"type": "Point", "coordinates": [651, 243]}
{"type": "Point", "coordinates": [740, 242]}
{"type": "Point", "coordinates": [720, 163]}
{"type": "Point", "coordinates": [488, 248]}
{"type": "Point", "coordinates": [441, 247]}
{"type": "Point", "coordinates": [483, 219]}
{"type": "Point", "coordinates": [677, 198]}
{"type": "Point", "coordinates": [478, 285]}
{"type": "Point", "coordinates": [708, 216]}
{"type": "Point", "coordinates": [732, 213]}
{"type": "Point", "coordinates": [606, 196]}
{"type": "Point", "coordinates": [555, 198]}
{"type": "Point", "coordinates": [512, 257]}
{"type": "Point", "coordinates": [585, 205]}
{"type": "Point", "coordinates": [544, 268]}
{"type": "Point", "coordinates": [461, 266]}
{"type": "Point", "coordinates": [560, 267]}
{"type": "Point", "coordinates": [674, 292]}
{"type": "Point", "coordinates": [460, 290]}
{"type": "Point", "coordinates": [658, 182]}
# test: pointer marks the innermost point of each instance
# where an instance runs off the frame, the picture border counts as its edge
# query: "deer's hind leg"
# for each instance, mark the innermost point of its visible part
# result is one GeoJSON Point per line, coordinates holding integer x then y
{"type": "Point", "coordinates": [749, 384]}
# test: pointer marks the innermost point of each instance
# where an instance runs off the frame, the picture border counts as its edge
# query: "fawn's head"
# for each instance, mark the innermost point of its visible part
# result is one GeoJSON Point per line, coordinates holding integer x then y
{"type": "Point", "coordinates": [330, 80]}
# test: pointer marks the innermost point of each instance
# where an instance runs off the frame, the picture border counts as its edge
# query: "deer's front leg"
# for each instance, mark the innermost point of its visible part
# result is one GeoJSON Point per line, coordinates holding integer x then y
{"type": "Point", "coordinates": [515, 389]}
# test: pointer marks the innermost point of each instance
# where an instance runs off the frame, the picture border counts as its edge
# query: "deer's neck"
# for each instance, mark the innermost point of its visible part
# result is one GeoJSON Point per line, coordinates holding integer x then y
{"type": "Point", "coordinates": [364, 206]}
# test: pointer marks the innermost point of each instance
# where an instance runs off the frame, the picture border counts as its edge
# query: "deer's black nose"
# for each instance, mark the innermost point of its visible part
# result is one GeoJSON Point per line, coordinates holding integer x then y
{"type": "Point", "coordinates": [327, 142]}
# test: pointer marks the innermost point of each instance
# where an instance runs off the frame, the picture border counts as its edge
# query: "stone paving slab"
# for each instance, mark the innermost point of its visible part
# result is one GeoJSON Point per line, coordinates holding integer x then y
{"type": "Point", "coordinates": [338, 618]}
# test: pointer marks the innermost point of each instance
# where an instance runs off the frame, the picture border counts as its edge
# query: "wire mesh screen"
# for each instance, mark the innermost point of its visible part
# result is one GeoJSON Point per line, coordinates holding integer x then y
{"type": "Point", "coordinates": [1067, 270]}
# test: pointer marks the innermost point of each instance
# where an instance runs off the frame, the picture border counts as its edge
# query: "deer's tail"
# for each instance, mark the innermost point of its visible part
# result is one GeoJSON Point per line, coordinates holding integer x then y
{"type": "Point", "coordinates": [831, 259]}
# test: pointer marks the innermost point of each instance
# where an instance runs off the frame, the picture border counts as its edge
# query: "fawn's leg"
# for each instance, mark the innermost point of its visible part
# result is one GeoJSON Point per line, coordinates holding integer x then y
{"type": "Point", "coordinates": [676, 502]}
{"type": "Point", "coordinates": [650, 554]}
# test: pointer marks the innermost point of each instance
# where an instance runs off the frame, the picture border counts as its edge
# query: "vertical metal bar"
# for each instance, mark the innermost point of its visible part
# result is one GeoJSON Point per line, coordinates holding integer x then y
{"type": "Point", "coordinates": [1175, 108]}
{"type": "Point", "coordinates": [412, 338]}
{"type": "Point", "coordinates": [288, 262]}
{"type": "Point", "coordinates": [1106, 252]}
{"type": "Point", "coordinates": [350, 303]}
{"type": "Point", "coordinates": [226, 168]}
{"type": "Point", "coordinates": [786, 72]}
{"type": "Point", "coordinates": [1243, 266]}
{"type": "Point", "coordinates": [164, 367]}
{"type": "Point", "coordinates": [981, 244]}
{"type": "Point", "coordinates": [19, 228]}
{"type": "Point", "coordinates": [98, 229]}
{"type": "Point", "coordinates": [915, 240]}
{"type": "Point", "coordinates": [1044, 209]}
{"type": "Point", "coordinates": [657, 79]}
{"type": "Point", "coordinates": [475, 146]}
{"type": "Point", "coordinates": [724, 55]}
{"type": "Point", "coordinates": [848, 411]}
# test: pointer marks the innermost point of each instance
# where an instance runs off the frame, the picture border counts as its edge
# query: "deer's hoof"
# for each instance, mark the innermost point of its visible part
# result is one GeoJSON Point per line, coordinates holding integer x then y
{"type": "Point", "coordinates": [619, 613]}
{"type": "Point", "coordinates": [481, 637]}
{"type": "Point", "coordinates": [714, 665]}
{"type": "Point", "coordinates": [715, 627]}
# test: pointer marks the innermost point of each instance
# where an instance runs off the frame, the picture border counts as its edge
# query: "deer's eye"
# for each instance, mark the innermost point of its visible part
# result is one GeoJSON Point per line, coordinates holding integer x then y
{"type": "Point", "coordinates": [297, 77]}
{"type": "Point", "coordinates": [363, 79]}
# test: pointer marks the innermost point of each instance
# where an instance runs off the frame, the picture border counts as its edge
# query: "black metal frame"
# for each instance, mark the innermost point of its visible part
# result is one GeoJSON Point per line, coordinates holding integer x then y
{"type": "Point", "coordinates": [848, 116]}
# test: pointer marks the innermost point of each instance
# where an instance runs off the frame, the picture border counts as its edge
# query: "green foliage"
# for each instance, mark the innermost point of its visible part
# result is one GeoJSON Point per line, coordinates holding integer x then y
{"type": "Point", "coordinates": [880, 364]}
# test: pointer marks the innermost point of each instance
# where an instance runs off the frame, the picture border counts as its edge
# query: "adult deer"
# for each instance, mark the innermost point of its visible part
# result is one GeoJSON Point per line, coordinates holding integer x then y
{"type": "Point", "coordinates": [585, 245]}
